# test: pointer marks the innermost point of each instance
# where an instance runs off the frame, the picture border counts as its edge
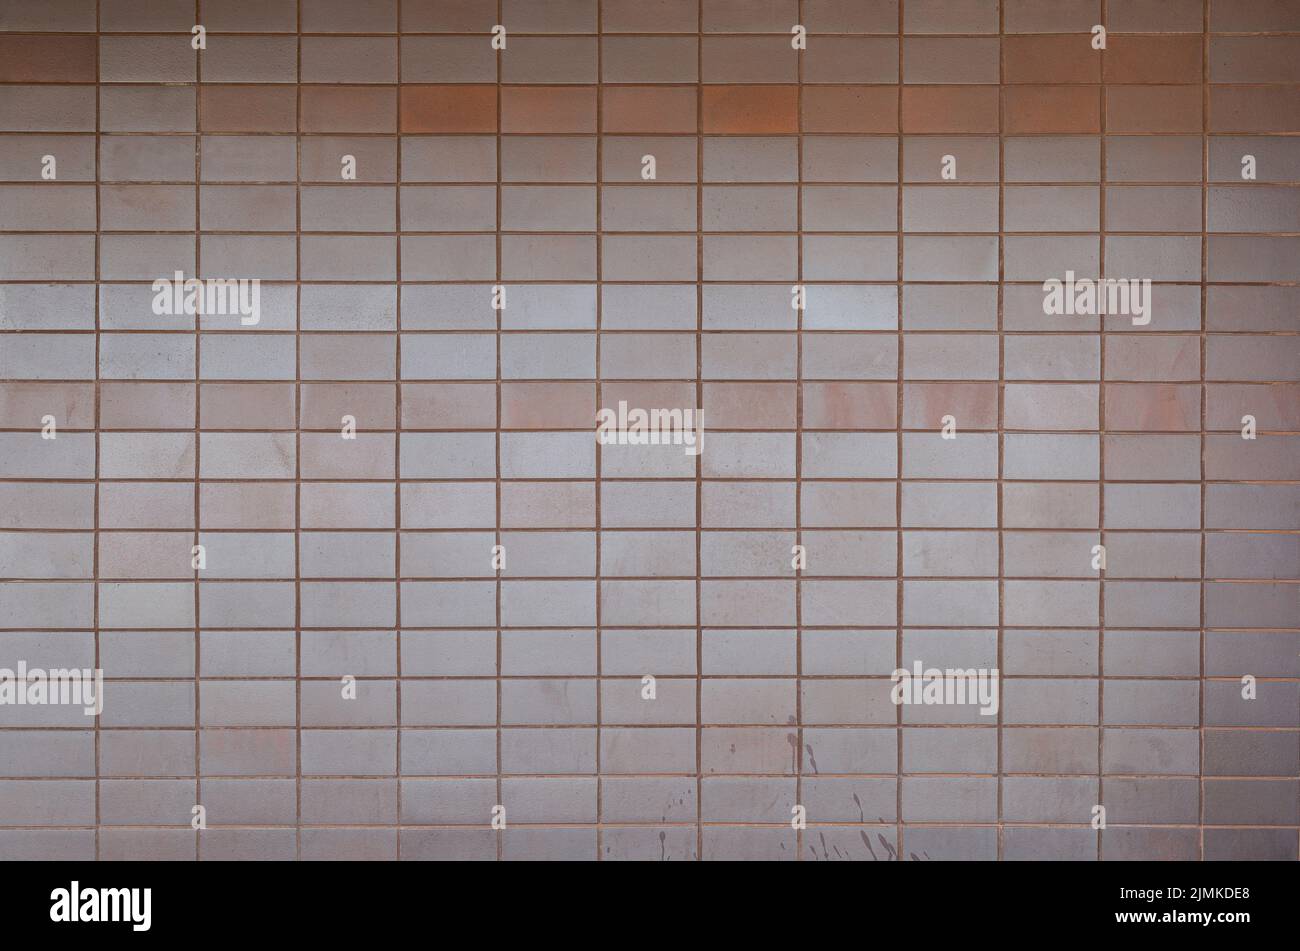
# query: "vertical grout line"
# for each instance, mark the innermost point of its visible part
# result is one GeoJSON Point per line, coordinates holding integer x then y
{"type": "Point", "coordinates": [1205, 343]}
{"type": "Point", "coordinates": [297, 422]}
{"type": "Point", "coordinates": [699, 402]}
{"type": "Point", "coordinates": [898, 444]}
{"type": "Point", "coordinates": [198, 420]}
{"type": "Point", "coordinates": [600, 240]}
{"type": "Point", "coordinates": [98, 397]}
{"type": "Point", "coordinates": [1101, 440]}
{"type": "Point", "coordinates": [1002, 397]}
{"type": "Point", "coordinates": [798, 457]}
{"type": "Point", "coordinates": [500, 834]}
{"type": "Point", "coordinates": [397, 426]}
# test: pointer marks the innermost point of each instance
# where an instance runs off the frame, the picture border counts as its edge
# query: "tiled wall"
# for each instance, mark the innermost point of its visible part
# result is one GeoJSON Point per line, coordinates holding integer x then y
{"type": "Point", "coordinates": [776, 170]}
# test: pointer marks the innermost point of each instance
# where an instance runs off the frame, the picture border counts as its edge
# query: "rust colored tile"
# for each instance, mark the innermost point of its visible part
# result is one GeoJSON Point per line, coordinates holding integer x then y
{"type": "Point", "coordinates": [1153, 406]}
{"type": "Point", "coordinates": [649, 109]}
{"type": "Point", "coordinates": [348, 109]}
{"type": "Point", "coordinates": [1069, 58]}
{"type": "Point", "coordinates": [248, 109]}
{"type": "Point", "coordinates": [1051, 109]}
{"type": "Point", "coordinates": [548, 405]}
{"type": "Point", "coordinates": [1153, 109]}
{"type": "Point", "coordinates": [648, 393]}
{"type": "Point", "coordinates": [445, 406]}
{"type": "Point", "coordinates": [950, 109]}
{"type": "Point", "coordinates": [1254, 109]}
{"type": "Point", "coordinates": [757, 110]}
{"type": "Point", "coordinates": [750, 406]}
{"type": "Point", "coordinates": [850, 109]}
{"type": "Point", "coordinates": [548, 109]}
{"type": "Point", "coordinates": [41, 58]}
{"type": "Point", "coordinates": [1153, 59]}
{"type": "Point", "coordinates": [23, 404]}
{"type": "Point", "coordinates": [449, 109]}
{"type": "Point", "coordinates": [843, 405]}
{"type": "Point", "coordinates": [974, 404]}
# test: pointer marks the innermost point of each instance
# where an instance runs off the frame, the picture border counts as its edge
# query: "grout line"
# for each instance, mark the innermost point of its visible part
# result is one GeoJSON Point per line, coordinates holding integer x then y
{"type": "Point", "coordinates": [999, 501]}
{"type": "Point", "coordinates": [500, 122]}
{"type": "Point", "coordinates": [198, 437]}
{"type": "Point", "coordinates": [899, 420]}
{"type": "Point", "coordinates": [399, 424]}
{"type": "Point", "coordinates": [1101, 443]}
{"type": "Point", "coordinates": [297, 443]}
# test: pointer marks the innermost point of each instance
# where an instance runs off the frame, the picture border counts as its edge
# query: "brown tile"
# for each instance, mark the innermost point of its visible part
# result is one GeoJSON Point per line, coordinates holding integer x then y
{"type": "Point", "coordinates": [746, 16]}
{"type": "Point", "coordinates": [950, 16]}
{"type": "Point", "coordinates": [648, 393]}
{"type": "Point", "coordinates": [24, 404]}
{"type": "Point", "coordinates": [449, 109]}
{"type": "Point", "coordinates": [750, 406]}
{"type": "Point", "coordinates": [649, 109]}
{"type": "Point", "coordinates": [1153, 407]}
{"type": "Point", "coordinates": [1067, 58]}
{"type": "Point", "coordinates": [373, 404]}
{"type": "Point", "coordinates": [548, 109]}
{"type": "Point", "coordinates": [842, 405]}
{"type": "Point", "coordinates": [1027, 109]}
{"type": "Point", "coordinates": [1254, 16]}
{"type": "Point", "coordinates": [1152, 59]}
{"type": "Point", "coordinates": [548, 405]}
{"type": "Point", "coordinates": [41, 58]}
{"type": "Point", "coordinates": [447, 406]}
{"type": "Point", "coordinates": [1058, 16]}
{"type": "Point", "coordinates": [950, 109]}
{"type": "Point", "coordinates": [637, 16]}
{"type": "Point", "coordinates": [948, 59]}
{"type": "Point", "coordinates": [872, 59]}
{"type": "Point", "coordinates": [348, 109]}
{"type": "Point", "coordinates": [753, 110]}
{"type": "Point", "coordinates": [975, 405]}
{"type": "Point", "coordinates": [248, 109]}
{"type": "Point", "coordinates": [850, 109]}
{"type": "Point", "coordinates": [132, 405]}
{"type": "Point", "coordinates": [1155, 16]}
{"type": "Point", "coordinates": [447, 16]}
{"type": "Point", "coordinates": [1153, 109]}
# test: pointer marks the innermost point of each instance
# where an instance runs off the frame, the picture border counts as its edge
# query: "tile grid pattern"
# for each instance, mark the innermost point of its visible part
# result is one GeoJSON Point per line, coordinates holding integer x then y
{"type": "Point", "coordinates": [342, 816]}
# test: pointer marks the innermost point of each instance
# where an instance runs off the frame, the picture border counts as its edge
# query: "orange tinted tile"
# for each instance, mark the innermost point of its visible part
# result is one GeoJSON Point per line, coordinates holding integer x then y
{"type": "Point", "coordinates": [349, 109]}
{"type": "Point", "coordinates": [648, 393]}
{"type": "Point", "coordinates": [248, 108]}
{"type": "Point", "coordinates": [1062, 109]}
{"type": "Point", "coordinates": [1050, 59]}
{"type": "Point", "coordinates": [750, 405]}
{"type": "Point", "coordinates": [1153, 406]}
{"type": "Point", "coordinates": [843, 405]}
{"type": "Point", "coordinates": [548, 109]}
{"type": "Point", "coordinates": [755, 110]}
{"type": "Point", "coordinates": [974, 404]}
{"type": "Point", "coordinates": [649, 109]}
{"type": "Point", "coordinates": [1153, 109]}
{"type": "Point", "coordinates": [850, 109]}
{"type": "Point", "coordinates": [567, 405]}
{"type": "Point", "coordinates": [950, 109]}
{"type": "Point", "coordinates": [1153, 59]}
{"type": "Point", "coordinates": [40, 58]}
{"type": "Point", "coordinates": [449, 109]}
